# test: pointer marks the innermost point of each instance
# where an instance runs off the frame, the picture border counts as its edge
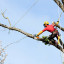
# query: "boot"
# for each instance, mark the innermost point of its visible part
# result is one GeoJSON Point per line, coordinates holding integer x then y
{"type": "Point", "coordinates": [61, 42]}
{"type": "Point", "coordinates": [63, 46]}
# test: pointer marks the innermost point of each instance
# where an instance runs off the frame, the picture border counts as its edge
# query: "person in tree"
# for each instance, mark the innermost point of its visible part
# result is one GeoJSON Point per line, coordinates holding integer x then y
{"type": "Point", "coordinates": [51, 28]}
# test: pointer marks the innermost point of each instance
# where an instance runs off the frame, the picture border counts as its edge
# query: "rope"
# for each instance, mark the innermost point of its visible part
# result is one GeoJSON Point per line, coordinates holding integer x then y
{"type": "Point", "coordinates": [14, 42]}
{"type": "Point", "coordinates": [61, 54]}
{"type": "Point", "coordinates": [27, 11]}
{"type": "Point", "coordinates": [19, 21]}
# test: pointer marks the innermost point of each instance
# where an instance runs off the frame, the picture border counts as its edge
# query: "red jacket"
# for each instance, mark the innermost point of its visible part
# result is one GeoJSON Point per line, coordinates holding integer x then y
{"type": "Point", "coordinates": [49, 28]}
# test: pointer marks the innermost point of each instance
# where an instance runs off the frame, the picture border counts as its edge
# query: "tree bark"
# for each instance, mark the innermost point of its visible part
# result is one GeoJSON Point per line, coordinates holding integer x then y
{"type": "Point", "coordinates": [59, 26]}
{"type": "Point", "coordinates": [59, 4]}
{"type": "Point", "coordinates": [63, 2]}
{"type": "Point", "coordinates": [51, 42]}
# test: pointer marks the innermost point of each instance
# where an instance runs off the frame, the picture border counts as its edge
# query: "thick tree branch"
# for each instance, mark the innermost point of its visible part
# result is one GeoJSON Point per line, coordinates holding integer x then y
{"type": "Point", "coordinates": [62, 1]}
{"type": "Point", "coordinates": [52, 42]}
{"type": "Point", "coordinates": [59, 26]}
{"type": "Point", "coordinates": [59, 4]}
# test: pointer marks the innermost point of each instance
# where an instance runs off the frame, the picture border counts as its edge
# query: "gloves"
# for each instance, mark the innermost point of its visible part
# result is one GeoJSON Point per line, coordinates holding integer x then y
{"type": "Point", "coordinates": [35, 35]}
{"type": "Point", "coordinates": [58, 21]}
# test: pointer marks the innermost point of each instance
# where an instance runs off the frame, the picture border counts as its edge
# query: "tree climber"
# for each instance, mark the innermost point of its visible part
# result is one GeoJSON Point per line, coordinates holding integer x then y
{"type": "Point", "coordinates": [51, 28]}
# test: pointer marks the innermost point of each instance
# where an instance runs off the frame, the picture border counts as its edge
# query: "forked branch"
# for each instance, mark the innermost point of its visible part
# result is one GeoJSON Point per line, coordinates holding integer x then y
{"type": "Point", "coordinates": [6, 18]}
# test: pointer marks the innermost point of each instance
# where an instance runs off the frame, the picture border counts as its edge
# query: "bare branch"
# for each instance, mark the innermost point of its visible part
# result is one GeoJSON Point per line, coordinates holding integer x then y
{"type": "Point", "coordinates": [31, 36]}
{"type": "Point", "coordinates": [59, 4]}
{"type": "Point", "coordinates": [59, 26]}
{"type": "Point", "coordinates": [63, 2]}
{"type": "Point", "coordinates": [6, 18]}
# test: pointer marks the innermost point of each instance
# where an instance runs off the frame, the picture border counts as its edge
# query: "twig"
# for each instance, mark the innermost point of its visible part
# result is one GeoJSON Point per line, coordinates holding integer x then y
{"type": "Point", "coordinates": [6, 18]}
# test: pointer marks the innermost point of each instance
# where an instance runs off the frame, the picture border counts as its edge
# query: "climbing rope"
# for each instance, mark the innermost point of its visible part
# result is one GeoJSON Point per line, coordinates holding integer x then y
{"type": "Point", "coordinates": [19, 21]}
{"type": "Point", "coordinates": [14, 42]}
{"type": "Point", "coordinates": [27, 11]}
{"type": "Point", "coordinates": [61, 54]}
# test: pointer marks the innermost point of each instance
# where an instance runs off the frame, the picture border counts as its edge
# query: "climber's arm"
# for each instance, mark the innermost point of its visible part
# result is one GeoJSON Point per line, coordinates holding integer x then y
{"type": "Point", "coordinates": [41, 31]}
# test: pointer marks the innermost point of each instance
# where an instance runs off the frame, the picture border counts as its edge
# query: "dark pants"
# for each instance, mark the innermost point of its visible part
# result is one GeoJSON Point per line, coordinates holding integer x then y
{"type": "Point", "coordinates": [55, 34]}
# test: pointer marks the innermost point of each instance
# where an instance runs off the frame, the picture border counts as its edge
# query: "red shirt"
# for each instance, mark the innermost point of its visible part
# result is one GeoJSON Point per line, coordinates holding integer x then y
{"type": "Point", "coordinates": [49, 28]}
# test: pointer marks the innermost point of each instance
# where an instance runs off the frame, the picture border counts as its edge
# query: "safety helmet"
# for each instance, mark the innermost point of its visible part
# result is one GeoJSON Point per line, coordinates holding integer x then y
{"type": "Point", "coordinates": [46, 22]}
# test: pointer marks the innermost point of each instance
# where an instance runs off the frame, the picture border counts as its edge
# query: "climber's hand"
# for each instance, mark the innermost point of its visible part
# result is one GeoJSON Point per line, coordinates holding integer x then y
{"type": "Point", "coordinates": [35, 35]}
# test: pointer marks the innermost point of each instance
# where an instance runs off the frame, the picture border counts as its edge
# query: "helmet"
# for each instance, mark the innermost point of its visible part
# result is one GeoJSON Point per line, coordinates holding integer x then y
{"type": "Point", "coordinates": [46, 23]}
